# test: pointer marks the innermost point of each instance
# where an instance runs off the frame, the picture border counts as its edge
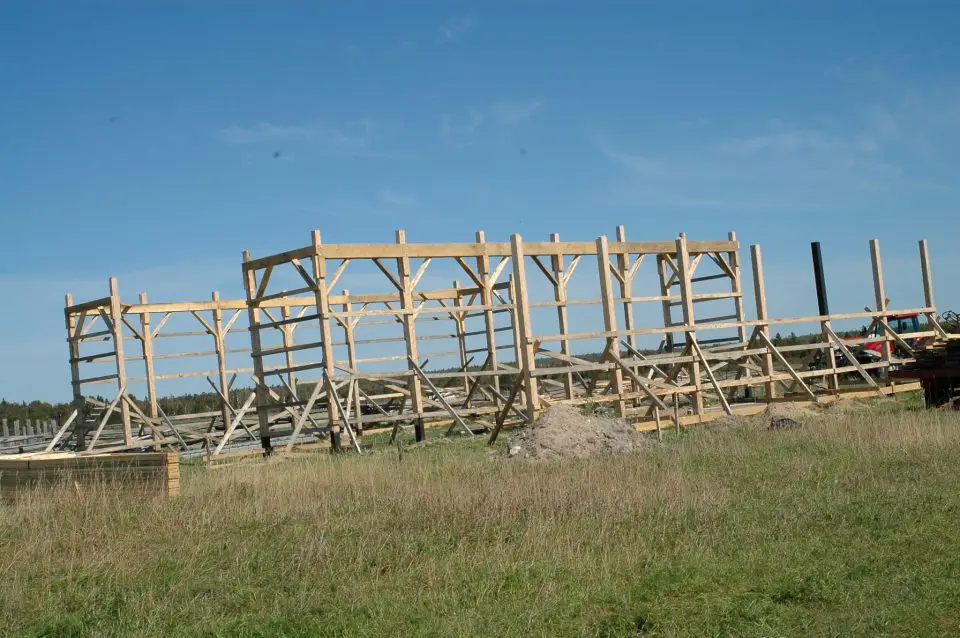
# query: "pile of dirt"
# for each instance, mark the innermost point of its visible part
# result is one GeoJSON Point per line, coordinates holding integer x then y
{"type": "Point", "coordinates": [562, 431]}
{"type": "Point", "coordinates": [776, 416]}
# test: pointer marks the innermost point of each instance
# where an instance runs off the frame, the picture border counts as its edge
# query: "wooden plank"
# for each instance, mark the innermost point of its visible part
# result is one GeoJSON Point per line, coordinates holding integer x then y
{"type": "Point", "coordinates": [713, 379]}
{"type": "Point", "coordinates": [881, 300]}
{"type": "Point", "coordinates": [220, 347]}
{"type": "Point", "coordinates": [93, 304]}
{"type": "Point", "coordinates": [409, 331]}
{"type": "Point", "coordinates": [643, 384]}
{"type": "Point", "coordinates": [686, 292]}
{"type": "Point", "coordinates": [560, 299]}
{"type": "Point", "coordinates": [60, 432]}
{"type": "Point", "coordinates": [322, 301]}
{"type": "Point", "coordinates": [440, 398]}
{"type": "Point", "coordinates": [454, 250]}
{"type": "Point", "coordinates": [852, 359]}
{"type": "Point", "coordinates": [253, 319]}
{"type": "Point", "coordinates": [524, 336]}
{"type": "Point", "coordinates": [486, 298]}
{"type": "Point", "coordinates": [349, 336]}
{"type": "Point", "coordinates": [235, 421]}
{"type": "Point", "coordinates": [610, 317]}
{"type": "Point", "coordinates": [116, 314]}
{"type": "Point", "coordinates": [502, 416]}
{"type": "Point", "coordinates": [760, 297]}
{"type": "Point", "coordinates": [106, 417]}
{"type": "Point", "coordinates": [146, 347]}
{"type": "Point", "coordinates": [340, 411]}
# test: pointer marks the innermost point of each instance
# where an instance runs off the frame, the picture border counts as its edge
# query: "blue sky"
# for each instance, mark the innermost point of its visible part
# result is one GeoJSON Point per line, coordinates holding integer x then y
{"type": "Point", "coordinates": [139, 140]}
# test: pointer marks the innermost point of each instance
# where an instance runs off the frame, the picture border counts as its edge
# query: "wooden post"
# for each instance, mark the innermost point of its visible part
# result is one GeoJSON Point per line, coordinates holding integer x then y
{"type": "Point", "coordinates": [610, 318]}
{"type": "Point", "coordinates": [219, 342]}
{"type": "Point", "coordinates": [322, 297]}
{"type": "Point", "coordinates": [73, 344]}
{"type": "Point", "coordinates": [514, 322]}
{"type": "Point", "coordinates": [736, 287]}
{"type": "Point", "coordinates": [927, 275]}
{"type": "Point", "coordinates": [663, 273]}
{"type": "Point", "coordinates": [560, 296]}
{"type": "Point", "coordinates": [760, 295]}
{"type": "Point", "coordinates": [5, 430]}
{"type": "Point", "coordinates": [527, 355]}
{"type": "Point", "coordinates": [116, 318]}
{"type": "Point", "coordinates": [626, 291]}
{"type": "Point", "coordinates": [286, 333]}
{"type": "Point", "coordinates": [146, 347]}
{"type": "Point", "coordinates": [29, 427]}
{"type": "Point", "coordinates": [410, 335]}
{"type": "Point", "coordinates": [880, 295]}
{"type": "Point", "coordinates": [349, 337]}
{"type": "Point", "coordinates": [253, 318]}
{"type": "Point", "coordinates": [686, 298]}
{"type": "Point", "coordinates": [16, 427]}
{"type": "Point", "coordinates": [489, 318]}
{"type": "Point", "coordinates": [460, 325]}
{"type": "Point", "coordinates": [626, 286]}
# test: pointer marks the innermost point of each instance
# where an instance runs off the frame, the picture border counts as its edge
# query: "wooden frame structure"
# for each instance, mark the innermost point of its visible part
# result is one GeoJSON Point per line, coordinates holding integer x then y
{"type": "Point", "coordinates": [318, 371]}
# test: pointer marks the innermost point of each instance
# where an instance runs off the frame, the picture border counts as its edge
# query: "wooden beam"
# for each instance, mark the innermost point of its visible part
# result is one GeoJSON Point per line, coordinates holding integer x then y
{"type": "Point", "coordinates": [440, 398]}
{"type": "Point", "coordinates": [263, 283]}
{"type": "Point", "coordinates": [760, 297]}
{"type": "Point", "coordinates": [60, 432]}
{"type": "Point", "coordinates": [237, 420]}
{"type": "Point", "coordinates": [852, 359]}
{"type": "Point", "coordinates": [388, 274]}
{"type": "Point", "coordinates": [73, 347]}
{"type": "Point", "coordinates": [322, 301]}
{"type": "Point", "coordinates": [521, 301]}
{"type": "Point", "coordinates": [713, 379]}
{"type": "Point", "coordinates": [410, 333]}
{"type": "Point", "coordinates": [219, 344]}
{"type": "Point", "coordinates": [686, 295]}
{"type": "Point", "coordinates": [146, 347]}
{"type": "Point", "coordinates": [560, 296]}
{"type": "Point", "coordinates": [253, 319]}
{"type": "Point", "coordinates": [610, 318]}
{"type": "Point", "coordinates": [116, 314]}
{"type": "Point", "coordinates": [349, 337]}
{"type": "Point", "coordinates": [881, 300]}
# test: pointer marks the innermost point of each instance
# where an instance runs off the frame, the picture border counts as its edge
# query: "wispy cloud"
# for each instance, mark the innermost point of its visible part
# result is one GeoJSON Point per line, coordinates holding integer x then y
{"type": "Point", "coordinates": [853, 162]}
{"type": "Point", "coordinates": [350, 139]}
{"type": "Point", "coordinates": [455, 29]}
{"type": "Point", "coordinates": [638, 164]}
{"type": "Point", "coordinates": [782, 142]}
{"type": "Point", "coordinates": [267, 132]}
{"type": "Point", "coordinates": [501, 115]}
{"type": "Point", "coordinates": [402, 200]}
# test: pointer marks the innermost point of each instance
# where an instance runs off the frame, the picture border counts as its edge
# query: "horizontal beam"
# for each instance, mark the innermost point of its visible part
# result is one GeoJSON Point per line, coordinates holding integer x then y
{"type": "Point", "coordinates": [491, 249]}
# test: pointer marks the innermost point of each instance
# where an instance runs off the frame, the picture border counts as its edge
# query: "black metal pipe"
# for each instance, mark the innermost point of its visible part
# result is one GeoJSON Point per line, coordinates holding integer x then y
{"type": "Point", "coordinates": [818, 277]}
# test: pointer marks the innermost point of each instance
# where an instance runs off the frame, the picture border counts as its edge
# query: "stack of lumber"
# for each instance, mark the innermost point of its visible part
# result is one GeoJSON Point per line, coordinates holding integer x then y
{"type": "Point", "coordinates": [937, 355]}
{"type": "Point", "coordinates": [152, 472]}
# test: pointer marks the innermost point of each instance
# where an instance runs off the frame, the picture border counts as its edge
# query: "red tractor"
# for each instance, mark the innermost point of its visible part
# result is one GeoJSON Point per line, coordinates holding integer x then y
{"type": "Point", "coordinates": [902, 324]}
{"type": "Point", "coordinates": [872, 351]}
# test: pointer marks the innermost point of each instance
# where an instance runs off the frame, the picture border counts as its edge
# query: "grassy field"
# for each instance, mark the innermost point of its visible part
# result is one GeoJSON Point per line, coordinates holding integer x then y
{"type": "Point", "coordinates": [848, 526]}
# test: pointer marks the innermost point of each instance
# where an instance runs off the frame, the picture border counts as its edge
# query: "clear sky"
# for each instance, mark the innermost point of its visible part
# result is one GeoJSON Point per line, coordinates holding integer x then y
{"type": "Point", "coordinates": [157, 140]}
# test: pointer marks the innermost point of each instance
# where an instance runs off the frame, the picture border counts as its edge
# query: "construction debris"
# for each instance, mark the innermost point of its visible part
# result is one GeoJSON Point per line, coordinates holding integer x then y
{"type": "Point", "coordinates": [563, 431]}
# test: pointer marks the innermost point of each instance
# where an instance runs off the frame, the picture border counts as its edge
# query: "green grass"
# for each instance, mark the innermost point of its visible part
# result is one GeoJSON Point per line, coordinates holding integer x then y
{"type": "Point", "coordinates": [848, 526]}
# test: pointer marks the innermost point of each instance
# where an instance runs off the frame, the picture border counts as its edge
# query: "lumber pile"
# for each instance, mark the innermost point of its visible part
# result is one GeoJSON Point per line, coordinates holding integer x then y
{"type": "Point", "coordinates": [938, 355]}
{"type": "Point", "coordinates": [154, 472]}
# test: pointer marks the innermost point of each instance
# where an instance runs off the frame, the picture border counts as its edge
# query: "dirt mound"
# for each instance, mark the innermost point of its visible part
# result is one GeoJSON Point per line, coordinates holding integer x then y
{"type": "Point", "coordinates": [776, 416]}
{"type": "Point", "coordinates": [562, 431]}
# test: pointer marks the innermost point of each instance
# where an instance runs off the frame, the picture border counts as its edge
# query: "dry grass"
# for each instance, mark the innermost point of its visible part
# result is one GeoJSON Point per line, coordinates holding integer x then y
{"type": "Point", "coordinates": [846, 527]}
